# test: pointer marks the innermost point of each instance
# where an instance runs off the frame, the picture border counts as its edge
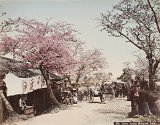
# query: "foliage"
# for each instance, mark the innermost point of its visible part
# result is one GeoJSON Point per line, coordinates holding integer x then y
{"type": "Point", "coordinates": [89, 63]}
{"type": "Point", "coordinates": [102, 76]}
{"type": "Point", "coordinates": [2, 21]}
{"type": "Point", "coordinates": [46, 45]}
{"type": "Point", "coordinates": [127, 73]}
{"type": "Point", "coordinates": [138, 22]}
{"type": "Point", "coordinates": [141, 67]}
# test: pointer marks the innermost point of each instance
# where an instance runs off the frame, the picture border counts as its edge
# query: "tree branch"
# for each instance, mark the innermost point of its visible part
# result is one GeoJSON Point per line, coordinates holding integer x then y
{"type": "Point", "coordinates": [155, 16]}
{"type": "Point", "coordinates": [129, 40]}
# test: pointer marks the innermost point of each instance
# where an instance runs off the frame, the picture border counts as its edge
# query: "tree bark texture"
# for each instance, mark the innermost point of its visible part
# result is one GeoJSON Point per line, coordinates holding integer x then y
{"type": "Point", "coordinates": [7, 105]}
{"type": "Point", "coordinates": [49, 88]}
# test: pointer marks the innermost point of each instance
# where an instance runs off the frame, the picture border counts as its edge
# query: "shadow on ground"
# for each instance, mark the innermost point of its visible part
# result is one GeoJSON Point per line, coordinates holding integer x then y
{"type": "Point", "coordinates": [94, 102]}
{"type": "Point", "coordinates": [114, 114]}
{"type": "Point", "coordinates": [104, 111]}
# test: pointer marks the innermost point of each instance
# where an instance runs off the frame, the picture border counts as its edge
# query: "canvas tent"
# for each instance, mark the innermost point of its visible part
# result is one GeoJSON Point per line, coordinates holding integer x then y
{"type": "Point", "coordinates": [34, 88]}
{"type": "Point", "coordinates": [18, 85]}
{"type": "Point", "coordinates": [14, 84]}
{"type": "Point", "coordinates": [20, 80]}
{"type": "Point", "coordinates": [19, 76]}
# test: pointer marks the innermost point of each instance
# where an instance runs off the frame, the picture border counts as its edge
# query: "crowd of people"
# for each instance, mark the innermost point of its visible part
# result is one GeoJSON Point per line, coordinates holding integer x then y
{"type": "Point", "coordinates": [136, 91]}
{"type": "Point", "coordinates": [133, 90]}
{"type": "Point", "coordinates": [69, 97]}
{"type": "Point", "coordinates": [120, 90]}
{"type": "Point", "coordinates": [139, 99]}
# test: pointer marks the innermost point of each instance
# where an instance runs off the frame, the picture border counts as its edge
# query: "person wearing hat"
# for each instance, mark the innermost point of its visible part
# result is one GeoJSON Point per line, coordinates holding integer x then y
{"type": "Point", "coordinates": [135, 100]}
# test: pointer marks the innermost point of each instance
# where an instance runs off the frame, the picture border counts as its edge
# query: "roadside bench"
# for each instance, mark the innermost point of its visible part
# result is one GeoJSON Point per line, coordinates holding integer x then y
{"type": "Point", "coordinates": [29, 110]}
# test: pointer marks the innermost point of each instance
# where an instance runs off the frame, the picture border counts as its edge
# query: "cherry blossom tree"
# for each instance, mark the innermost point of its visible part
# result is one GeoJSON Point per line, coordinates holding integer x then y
{"type": "Point", "coordinates": [47, 47]}
{"type": "Point", "coordinates": [102, 76]}
{"type": "Point", "coordinates": [3, 25]}
{"type": "Point", "coordinates": [141, 67]}
{"type": "Point", "coordinates": [2, 21]}
{"type": "Point", "coordinates": [138, 22]}
{"type": "Point", "coordinates": [89, 62]}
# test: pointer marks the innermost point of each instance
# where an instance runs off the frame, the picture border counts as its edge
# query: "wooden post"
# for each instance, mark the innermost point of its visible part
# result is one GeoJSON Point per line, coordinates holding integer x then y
{"type": "Point", "coordinates": [1, 111]}
{"type": "Point", "coordinates": [44, 99]}
{"type": "Point", "coordinates": [34, 98]}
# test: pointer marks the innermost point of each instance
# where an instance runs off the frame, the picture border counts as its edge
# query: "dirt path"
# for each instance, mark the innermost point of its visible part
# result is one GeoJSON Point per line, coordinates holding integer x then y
{"type": "Point", "coordinates": [85, 113]}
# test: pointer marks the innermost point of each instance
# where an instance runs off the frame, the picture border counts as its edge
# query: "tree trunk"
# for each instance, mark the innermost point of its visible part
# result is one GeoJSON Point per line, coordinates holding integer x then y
{"type": "Point", "coordinates": [151, 75]}
{"type": "Point", "coordinates": [78, 78]}
{"type": "Point", "coordinates": [1, 112]}
{"type": "Point", "coordinates": [7, 105]}
{"type": "Point", "coordinates": [52, 96]}
{"type": "Point", "coordinates": [69, 80]}
{"type": "Point", "coordinates": [49, 88]}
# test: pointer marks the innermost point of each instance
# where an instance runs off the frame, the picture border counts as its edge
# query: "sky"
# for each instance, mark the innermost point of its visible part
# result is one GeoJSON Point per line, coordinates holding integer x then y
{"type": "Point", "coordinates": [83, 14]}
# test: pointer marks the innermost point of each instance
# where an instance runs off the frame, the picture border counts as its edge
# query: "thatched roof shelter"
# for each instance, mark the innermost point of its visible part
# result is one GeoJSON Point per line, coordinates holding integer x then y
{"type": "Point", "coordinates": [16, 67]}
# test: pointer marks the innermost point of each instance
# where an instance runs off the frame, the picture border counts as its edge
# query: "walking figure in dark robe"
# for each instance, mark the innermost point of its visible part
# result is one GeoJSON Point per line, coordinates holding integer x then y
{"type": "Point", "coordinates": [135, 100]}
